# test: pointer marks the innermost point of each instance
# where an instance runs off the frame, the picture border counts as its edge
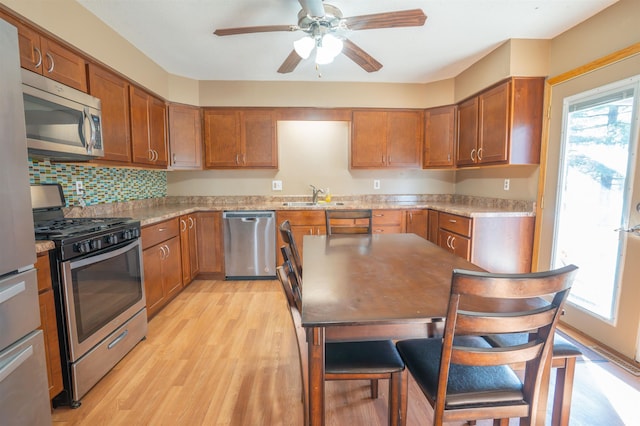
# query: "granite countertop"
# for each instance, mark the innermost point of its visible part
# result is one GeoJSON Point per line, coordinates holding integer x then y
{"type": "Point", "coordinates": [152, 212]}
{"type": "Point", "coordinates": [156, 210]}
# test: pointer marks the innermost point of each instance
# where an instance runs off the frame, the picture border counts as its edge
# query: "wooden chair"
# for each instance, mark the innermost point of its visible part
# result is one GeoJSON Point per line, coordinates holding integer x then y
{"type": "Point", "coordinates": [349, 221]}
{"type": "Point", "coordinates": [372, 360]}
{"type": "Point", "coordinates": [563, 359]}
{"type": "Point", "coordinates": [462, 376]}
{"type": "Point", "coordinates": [287, 237]}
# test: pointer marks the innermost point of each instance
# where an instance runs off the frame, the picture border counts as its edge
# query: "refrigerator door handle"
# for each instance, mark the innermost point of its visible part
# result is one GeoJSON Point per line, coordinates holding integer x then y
{"type": "Point", "coordinates": [12, 291]}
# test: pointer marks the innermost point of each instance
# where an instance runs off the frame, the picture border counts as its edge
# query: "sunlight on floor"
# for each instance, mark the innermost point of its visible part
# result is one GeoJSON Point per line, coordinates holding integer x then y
{"type": "Point", "coordinates": [622, 397]}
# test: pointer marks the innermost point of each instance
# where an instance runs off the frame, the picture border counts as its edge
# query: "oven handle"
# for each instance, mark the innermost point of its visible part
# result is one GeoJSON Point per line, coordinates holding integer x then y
{"type": "Point", "coordinates": [104, 256]}
{"type": "Point", "coordinates": [118, 339]}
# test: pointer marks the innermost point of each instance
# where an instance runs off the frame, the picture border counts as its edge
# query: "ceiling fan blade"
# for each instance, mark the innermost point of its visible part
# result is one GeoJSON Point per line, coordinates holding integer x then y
{"type": "Point", "coordinates": [402, 18]}
{"type": "Point", "coordinates": [360, 57]}
{"type": "Point", "coordinates": [313, 8]}
{"type": "Point", "coordinates": [258, 29]}
{"type": "Point", "coordinates": [290, 63]}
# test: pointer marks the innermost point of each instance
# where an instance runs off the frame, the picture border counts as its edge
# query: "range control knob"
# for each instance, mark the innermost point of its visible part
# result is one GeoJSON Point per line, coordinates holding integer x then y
{"type": "Point", "coordinates": [96, 244]}
{"type": "Point", "coordinates": [111, 239]}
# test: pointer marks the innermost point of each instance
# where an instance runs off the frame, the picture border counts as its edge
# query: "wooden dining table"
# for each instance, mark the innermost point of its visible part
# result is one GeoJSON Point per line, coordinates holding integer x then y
{"type": "Point", "coordinates": [367, 287]}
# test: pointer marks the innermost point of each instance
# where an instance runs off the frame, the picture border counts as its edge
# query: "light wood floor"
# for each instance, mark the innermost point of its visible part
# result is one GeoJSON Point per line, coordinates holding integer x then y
{"type": "Point", "coordinates": [223, 353]}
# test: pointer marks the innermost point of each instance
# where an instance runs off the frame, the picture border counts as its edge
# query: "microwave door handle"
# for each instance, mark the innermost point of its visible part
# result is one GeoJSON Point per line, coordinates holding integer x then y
{"type": "Point", "coordinates": [94, 132]}
{"type": "Point", "coordinates": [86, 116]}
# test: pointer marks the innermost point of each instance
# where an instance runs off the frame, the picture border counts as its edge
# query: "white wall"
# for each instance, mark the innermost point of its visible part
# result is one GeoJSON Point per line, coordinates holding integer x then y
{"type": "Point", "coordinates": [311, 152]}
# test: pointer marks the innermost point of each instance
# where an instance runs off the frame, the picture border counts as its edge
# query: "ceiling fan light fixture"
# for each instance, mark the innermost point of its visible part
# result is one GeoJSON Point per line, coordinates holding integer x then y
{"type": "Point", "coordinates": [304, 46]}
{"type": "Point", "coordinates": [327, 49]}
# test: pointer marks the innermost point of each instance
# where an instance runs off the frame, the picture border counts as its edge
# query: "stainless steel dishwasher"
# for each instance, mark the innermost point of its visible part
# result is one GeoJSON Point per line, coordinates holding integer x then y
{"type": "Point", "coordinates": [249, 245]}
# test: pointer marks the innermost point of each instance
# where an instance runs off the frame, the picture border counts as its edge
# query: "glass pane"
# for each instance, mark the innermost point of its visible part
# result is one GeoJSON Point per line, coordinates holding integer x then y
{"type": "Point", "coordinates": [592, 196]}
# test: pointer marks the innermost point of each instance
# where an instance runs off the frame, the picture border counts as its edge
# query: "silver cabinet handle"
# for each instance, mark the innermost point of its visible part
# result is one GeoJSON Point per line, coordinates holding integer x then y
{"type": "Point", "coordinates": [191, 222]}
{"type": "Point", "coordinates": [237, 159]}
{"type": "Point", "coordinates": [183, 225]}
{"type": "Point", "coordinates": [50, 69]}
{"type": "Point", "coordinates": [16, 362]}
{"type": "Point", "coordinates": [163, 255]}
{"type": "Point", "coordinates": [411, 217]}
{"type": "Point", "coordinates": [453, 239]}
{"type": "Point", "coordinates": [473, 155]}
{"type": "Point", "coordinates": [479, 154]}
{"type": "Point", "coordinates": [12, 291]}
{"type": "Point", "coordinates": [168, 251]}
{"type": "Point", "coordinates": [39, 62]}
{"type": "Point", "coordinates": [453, 221]}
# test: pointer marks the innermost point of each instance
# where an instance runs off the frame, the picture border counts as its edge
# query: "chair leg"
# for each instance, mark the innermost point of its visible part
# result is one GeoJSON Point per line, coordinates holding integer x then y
{"type": "Point", "coordinates": [563, 392]}
{"type": "Point", "coordinates": [374, 388]}
{"type": "Point", "coordinates": [398, 388]}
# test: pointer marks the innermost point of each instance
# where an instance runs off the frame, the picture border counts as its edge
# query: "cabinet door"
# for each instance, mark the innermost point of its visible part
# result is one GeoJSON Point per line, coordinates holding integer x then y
{"type": "Point", "coordinates": [49, 328]}
{"type": "Point", "coordinates": [184, 249]}
{"type": "Point", "coordinates": [185, 137]}
{"type": "Point", "coordinates": [158, 131]}
{"type": "Point", "coordinates": [63, 65]}
{"type": "Point", "coordinates": [439, 137]}
{"type": "Point", "coordinates": [456, 244]}
{"type": "Point", "coordinates": [404, 138]}
{"type": "Point", "coordinates": [29, 43]}
{"type": "Point", "coordinates": [466, 153]}
{"type": "Point", "coordinates": [171, 268]}
{"type": "Point", "coordinates": [494, 124]}
{"type": "Point", "coordinates": [417, 223]}
{"type": "Point", "coordinates": [139, 110]}
{"type": "Point", "coordinates": [152, 260]}
{"type": "Point", "coordinates": [259, 148]}
{"type": "Point", "coordinates": [368, 144]}
{"type": "Point", "coordinates": [221, 139]}
{"type": "Point", "coordinates": [193, 246]}
{"type": "Point", "coordinates": [210, 242]}
{"type": "Point", "coordinates": [433, 226]}
{"type": "Point", "coordinates": [113, 93]}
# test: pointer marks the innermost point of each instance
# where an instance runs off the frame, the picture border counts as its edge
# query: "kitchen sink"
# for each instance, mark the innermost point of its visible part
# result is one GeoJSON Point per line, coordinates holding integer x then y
{"type": "Point", "coordinates": [310, 204]}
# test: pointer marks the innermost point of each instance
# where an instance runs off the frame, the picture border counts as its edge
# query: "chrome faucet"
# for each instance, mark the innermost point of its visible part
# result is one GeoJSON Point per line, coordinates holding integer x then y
{"type": "Point", "coordinates": [315, 193]}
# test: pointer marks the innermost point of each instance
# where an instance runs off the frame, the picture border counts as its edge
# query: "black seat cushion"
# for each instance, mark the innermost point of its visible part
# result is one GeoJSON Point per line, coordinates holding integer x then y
{"type": "Point", "coordinates": [380, 356]}
{"type": "Point", "coordinates": [468, 385]}
{"type": "Point", "coordinates": [561, 346]}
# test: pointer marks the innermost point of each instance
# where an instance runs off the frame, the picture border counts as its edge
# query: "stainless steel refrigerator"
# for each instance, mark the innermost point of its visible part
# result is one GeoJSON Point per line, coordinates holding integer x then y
{"type": "Point", "coordinates": [24, 391]}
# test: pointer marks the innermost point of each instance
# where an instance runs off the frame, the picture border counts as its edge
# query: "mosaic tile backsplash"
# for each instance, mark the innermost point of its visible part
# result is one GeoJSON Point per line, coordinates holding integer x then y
{"type": "Point", "coordinates": [101, 184]}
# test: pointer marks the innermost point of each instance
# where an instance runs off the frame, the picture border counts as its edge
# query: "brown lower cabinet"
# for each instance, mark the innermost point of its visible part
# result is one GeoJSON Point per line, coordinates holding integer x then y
{"type": "Point", "coordinates": [303, 222]}
{"type": "Point", "coordinates": [189, 248]}
{"type": "Point", "coordinates": [162, 263]}
{"type": "Point", "coordinates": [210, 245]}
{"type": "Point", "coordinates": [417, 222]}
{"type": "Point", "coordinates": [48, 325]}
{"type": "Point", "coordinates": [388, 222]}
{"type": "Point", "coordinates": [495, 243]}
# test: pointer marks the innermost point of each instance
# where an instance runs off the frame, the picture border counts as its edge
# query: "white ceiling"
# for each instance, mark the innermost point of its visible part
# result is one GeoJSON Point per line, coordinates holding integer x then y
{"type": "Point", "coordinates": [178, 35]}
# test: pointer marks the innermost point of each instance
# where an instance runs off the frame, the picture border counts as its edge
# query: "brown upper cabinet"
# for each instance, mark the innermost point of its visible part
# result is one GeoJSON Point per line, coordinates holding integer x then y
{"type": "Point", "coordinates": [240, 138]}
{"type": "Point", "coordinates": [148, 128]}
{"type": "Point", "coordinates": [113, 92]}
{"type": "Point", "coordinates": [45, 56]}
{"type": "Point", "coordinates": [502, 125]}
{"type": "Point", "coordinates": [185, 136]}
{"type": "Point", "coordinates": [386, 138]}
{"type": "Point", "coordinates": [439, 137]}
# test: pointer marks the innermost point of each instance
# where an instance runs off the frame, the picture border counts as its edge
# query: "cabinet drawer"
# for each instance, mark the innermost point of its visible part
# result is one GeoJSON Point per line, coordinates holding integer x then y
{"type": "Point", "coordinates": [387, 229]}
{"type": "Point", "coordinates": [301, 217]}
{"type": "Point", "coordinates": [159, 232]}
{"type": "Point", "coordinates": [454, 223]}
{"type": "Point", "coordinates": [387, 217]}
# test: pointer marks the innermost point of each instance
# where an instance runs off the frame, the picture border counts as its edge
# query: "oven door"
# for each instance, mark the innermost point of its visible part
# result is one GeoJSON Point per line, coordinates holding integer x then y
{"type": "Point", "coordinates": [101, 292]}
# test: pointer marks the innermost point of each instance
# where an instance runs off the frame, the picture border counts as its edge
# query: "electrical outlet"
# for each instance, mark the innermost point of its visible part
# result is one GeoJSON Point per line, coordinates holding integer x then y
{"type": "Point", "coordinates": [276, 185]}
{"type": "Point", "coordinates": [376, 184]}
{"type": "Point", "coordinates": [506, 184]}
{"type": "Point", "coordinates": [79, 187]}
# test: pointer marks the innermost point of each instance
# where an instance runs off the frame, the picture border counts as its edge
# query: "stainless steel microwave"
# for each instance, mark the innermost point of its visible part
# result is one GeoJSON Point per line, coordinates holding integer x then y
{"type": "Point", "coordinates": [62, 123]}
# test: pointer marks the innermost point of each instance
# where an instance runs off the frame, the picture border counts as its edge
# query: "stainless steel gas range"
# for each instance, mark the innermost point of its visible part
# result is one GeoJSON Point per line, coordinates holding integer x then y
{"type": "Point", "coordinates": [98, 286]}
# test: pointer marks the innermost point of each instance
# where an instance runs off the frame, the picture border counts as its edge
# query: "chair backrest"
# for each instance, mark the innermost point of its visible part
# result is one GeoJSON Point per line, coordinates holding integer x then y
{"type": "Point", "coordinates": [485, 303]}
{"type": "Point", "coordinates": [287, 237]}
{"type": "Point", "coordinates": [349, 221]}
{"type": "Point", "coordinates": [294, 280]}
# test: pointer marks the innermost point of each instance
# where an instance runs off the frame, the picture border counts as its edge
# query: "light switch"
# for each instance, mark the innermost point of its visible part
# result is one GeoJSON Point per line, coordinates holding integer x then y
{"type": "Point", "coordinates": [276, 185]}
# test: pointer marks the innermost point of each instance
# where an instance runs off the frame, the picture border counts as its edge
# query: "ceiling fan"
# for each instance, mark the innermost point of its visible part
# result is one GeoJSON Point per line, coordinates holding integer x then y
{"type": "Point", "coordinates": [326, 30]}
